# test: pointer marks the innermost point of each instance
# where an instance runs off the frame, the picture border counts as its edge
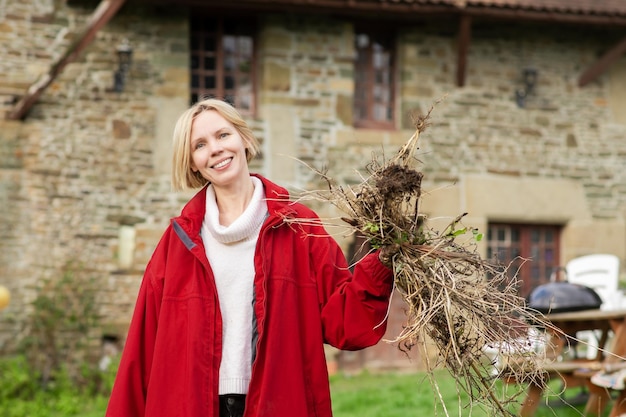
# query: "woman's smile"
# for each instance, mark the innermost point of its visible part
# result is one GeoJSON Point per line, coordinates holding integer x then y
{"type": "Point", "coordinates": [222, 163]}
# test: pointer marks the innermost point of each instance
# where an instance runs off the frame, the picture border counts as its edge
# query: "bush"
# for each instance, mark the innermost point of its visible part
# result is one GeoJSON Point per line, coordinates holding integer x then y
{"type": "Point", "coordinates": [23, 394]}
{"type": "Point", "coordinates": [61, 330]}
{"type": "Point", "coordinates": [53, 371]}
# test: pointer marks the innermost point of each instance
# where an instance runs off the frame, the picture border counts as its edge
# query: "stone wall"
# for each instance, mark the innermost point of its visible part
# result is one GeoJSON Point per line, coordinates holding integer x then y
{"type": "Point", "coordinates": [87, 163]}
{"type": "Point", "coordinates": [85, 177]}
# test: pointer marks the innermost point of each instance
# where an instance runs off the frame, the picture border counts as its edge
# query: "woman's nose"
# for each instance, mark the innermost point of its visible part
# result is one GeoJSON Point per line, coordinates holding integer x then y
{"type": "Point", "coordinates": [215, 147]}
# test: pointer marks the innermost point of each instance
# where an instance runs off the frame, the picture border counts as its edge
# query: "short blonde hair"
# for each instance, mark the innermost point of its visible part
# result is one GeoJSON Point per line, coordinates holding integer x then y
{"type": "Point", "coordinates": [183, 176]}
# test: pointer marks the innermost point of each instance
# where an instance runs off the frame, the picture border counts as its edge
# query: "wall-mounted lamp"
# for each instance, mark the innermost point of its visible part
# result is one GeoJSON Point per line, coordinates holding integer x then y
{"type": "Point", "coordinates": [124, 57]}
{"type": "Point", "coordinates": [529, 76]}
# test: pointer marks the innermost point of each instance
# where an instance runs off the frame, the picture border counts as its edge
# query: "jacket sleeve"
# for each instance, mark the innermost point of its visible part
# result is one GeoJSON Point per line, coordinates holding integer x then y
{"type": "Point", "coordinates": [354, 306]}
{"type": "Point", "coordinates": [128, 397]}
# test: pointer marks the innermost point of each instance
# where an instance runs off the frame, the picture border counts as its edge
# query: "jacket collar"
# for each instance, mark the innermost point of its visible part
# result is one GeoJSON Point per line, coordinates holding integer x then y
{"type": "Point", "coordinates": [192, 214]}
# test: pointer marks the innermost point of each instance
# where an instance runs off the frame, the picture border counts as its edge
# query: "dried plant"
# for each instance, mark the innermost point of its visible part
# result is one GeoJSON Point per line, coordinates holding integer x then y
{"type": "Point", "coordinates": [459, 302]}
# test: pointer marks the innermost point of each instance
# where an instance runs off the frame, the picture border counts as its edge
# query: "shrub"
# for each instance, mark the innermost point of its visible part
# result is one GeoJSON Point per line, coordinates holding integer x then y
{"type": "Point", "coordinates": [61, 332]}
{"type": "Point", "coordinates": [53, 368]}
{"type": "Point", "coordinates": [22, 393]}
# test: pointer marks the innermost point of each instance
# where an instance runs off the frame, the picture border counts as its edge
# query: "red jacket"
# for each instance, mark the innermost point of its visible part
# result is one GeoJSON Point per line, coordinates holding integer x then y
{"type": "Point", "coordinates": [305, 296]}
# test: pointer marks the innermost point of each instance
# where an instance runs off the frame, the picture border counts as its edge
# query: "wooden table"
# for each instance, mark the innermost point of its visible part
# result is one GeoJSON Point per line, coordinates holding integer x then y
{"type": "Point", "coordinates": [615, 352]}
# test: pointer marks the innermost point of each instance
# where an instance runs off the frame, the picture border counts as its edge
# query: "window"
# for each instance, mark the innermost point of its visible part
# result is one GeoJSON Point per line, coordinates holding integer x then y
{"type": "Point", "coordinates": [223, 61]}
{"type": "Point", "coordinates": [538, 244]}
{"type": "Point", "coordinates": [374, 80]}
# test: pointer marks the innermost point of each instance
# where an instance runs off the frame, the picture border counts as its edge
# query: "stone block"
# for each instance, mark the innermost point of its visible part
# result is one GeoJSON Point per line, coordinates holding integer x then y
{"type": "Point", "coordinates": [276, 77]}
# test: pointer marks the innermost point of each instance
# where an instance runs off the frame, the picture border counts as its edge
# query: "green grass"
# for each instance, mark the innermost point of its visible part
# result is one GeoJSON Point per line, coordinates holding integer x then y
{"type": "Point", "coordinates": [362, 395]}
{"type": "Point", "coordinates": [407, 395]}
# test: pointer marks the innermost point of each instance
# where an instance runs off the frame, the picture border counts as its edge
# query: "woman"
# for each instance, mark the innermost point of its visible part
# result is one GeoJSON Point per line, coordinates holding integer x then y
{"type": "Point", "coordinates": [242, 292]}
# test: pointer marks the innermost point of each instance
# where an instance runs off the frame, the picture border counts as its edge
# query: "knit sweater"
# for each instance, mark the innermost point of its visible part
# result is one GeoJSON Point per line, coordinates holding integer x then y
{"type": "Point", "coordinates": [230, 250]}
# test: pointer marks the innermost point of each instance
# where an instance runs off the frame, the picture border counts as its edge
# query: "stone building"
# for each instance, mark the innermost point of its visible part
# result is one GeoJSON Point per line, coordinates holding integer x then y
{"type": "Point", "coordinates": [528, 135]}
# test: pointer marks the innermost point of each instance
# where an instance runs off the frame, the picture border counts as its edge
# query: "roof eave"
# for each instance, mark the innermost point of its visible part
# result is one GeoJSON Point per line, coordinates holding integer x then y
{"type": "Point", "coordinates": [403, 10]}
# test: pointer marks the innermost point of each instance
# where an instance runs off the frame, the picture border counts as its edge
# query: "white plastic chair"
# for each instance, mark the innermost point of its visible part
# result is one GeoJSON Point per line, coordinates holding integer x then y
{"type": "Point", "coordinates": [601, 273]}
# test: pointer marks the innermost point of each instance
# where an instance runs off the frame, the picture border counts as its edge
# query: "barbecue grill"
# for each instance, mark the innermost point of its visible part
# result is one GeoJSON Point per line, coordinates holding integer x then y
{"type": "Point", "coordinates": [562, 296]}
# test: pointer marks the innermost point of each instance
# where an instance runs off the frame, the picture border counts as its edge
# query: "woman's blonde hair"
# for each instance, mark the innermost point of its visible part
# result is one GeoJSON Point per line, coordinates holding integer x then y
{"type": "Point", "coordinates": [183, 177]}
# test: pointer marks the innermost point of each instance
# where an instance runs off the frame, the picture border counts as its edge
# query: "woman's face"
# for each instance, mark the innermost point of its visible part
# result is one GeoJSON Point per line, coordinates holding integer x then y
{"type": "Point", "coordinates": [218, 151]}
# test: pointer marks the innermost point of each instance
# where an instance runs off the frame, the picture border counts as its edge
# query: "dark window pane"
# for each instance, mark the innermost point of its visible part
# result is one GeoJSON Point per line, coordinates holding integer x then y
{"type": "Point", "coordinates": [209, 44]}
{"type": "Point", "coordinates": [195, 43]}
{"type": "Point", "coordinates": [235, 26]}
{"type": "Point", "coordinates": [209, 82]}
{"type": "Point", "coordinates": [204, 23]}
{"type": "Point", "coordinates": [195, 81]}
{"type": "Point", "coordinates": [229, 82]}
{"type": "Point", "coordinates": [534, 235]}
{"type": "Point", "coordinates": [194, 62]}
{"type": "Point", "coordinates": [209, 63]}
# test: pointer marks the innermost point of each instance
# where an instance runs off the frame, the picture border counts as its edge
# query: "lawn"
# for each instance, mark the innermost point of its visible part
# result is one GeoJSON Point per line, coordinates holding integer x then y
{"type": "Point", "coordinates": [406, 395]}
{"type": "Point", "coordinates": [362, 395]}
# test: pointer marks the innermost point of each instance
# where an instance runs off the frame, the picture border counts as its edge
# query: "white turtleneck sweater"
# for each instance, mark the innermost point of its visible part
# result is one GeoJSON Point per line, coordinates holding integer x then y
{"type": "Point", "coordinates": [230, 250]}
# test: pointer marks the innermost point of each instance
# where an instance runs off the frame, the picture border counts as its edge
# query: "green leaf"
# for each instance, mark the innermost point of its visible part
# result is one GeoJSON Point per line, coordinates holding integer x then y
{"type": "Point", "coordinates": [458, 232]}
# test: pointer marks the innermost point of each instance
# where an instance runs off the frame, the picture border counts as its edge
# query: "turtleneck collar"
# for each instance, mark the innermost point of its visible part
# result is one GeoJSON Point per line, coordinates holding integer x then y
{"type": "Point", "coordinates": [245, 225]}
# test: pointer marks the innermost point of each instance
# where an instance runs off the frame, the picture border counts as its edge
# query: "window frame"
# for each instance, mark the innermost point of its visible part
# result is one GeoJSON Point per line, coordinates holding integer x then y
{"type": "Point", "coordinates": [524, 245]}
{"type": "Point", "coordinates": [369, 122]}
{"type": "Point", "coordinates": [219, 32]}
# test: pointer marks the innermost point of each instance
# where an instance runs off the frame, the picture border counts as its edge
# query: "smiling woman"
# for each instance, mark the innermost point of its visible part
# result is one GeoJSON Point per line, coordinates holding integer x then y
{"type": "Point", "coordinates": [242, 267]}
{"type": "Point", "coordinates": [184, 176]}
{"type": "Point", "coordinates": [218, 154]}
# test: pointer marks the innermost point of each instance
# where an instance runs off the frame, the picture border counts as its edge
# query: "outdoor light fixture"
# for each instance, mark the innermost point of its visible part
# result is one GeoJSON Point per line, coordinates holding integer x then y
{"type": "Point", "coordinates": [124, 57]}
{"type": "Point", "coordinates": [529, 78]}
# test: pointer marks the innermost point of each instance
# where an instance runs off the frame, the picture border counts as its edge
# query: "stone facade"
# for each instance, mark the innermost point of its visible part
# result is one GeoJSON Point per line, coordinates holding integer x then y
{"type": "Point", "coordinates": [85, 177]}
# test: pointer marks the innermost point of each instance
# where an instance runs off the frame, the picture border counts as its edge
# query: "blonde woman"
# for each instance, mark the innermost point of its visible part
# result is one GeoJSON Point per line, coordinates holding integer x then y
{"type": "Point", "coordinates": [238, 299]}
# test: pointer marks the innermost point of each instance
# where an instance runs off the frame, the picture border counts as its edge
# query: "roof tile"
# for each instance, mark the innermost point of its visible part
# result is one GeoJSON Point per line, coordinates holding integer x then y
{"type": "Point", "coordinates": [598, 7]}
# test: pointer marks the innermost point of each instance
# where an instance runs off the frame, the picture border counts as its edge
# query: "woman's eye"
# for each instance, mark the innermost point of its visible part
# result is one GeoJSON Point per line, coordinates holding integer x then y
{"type": "Point", "coordinates": [199, 145]}
{"type": "Point", "coordinates": [223, 135]}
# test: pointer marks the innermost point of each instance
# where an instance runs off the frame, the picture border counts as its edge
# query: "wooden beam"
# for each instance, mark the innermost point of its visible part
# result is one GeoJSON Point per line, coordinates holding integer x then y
{"type": "Point", "coordinates": [465, 35]}
{"type": "Point", "coordinates": [603, 63]}
{"type": "Point", "coordinates": [103, 13]}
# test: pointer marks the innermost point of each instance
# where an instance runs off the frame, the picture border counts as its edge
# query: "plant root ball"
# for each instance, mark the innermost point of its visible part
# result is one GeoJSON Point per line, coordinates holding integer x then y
{"type": "Point", "coordinates": [397, 181]}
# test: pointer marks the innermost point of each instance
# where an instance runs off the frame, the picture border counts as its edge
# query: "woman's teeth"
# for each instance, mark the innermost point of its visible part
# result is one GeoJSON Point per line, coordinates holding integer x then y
{"type": "Point", "coordinates": [223, 163]}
